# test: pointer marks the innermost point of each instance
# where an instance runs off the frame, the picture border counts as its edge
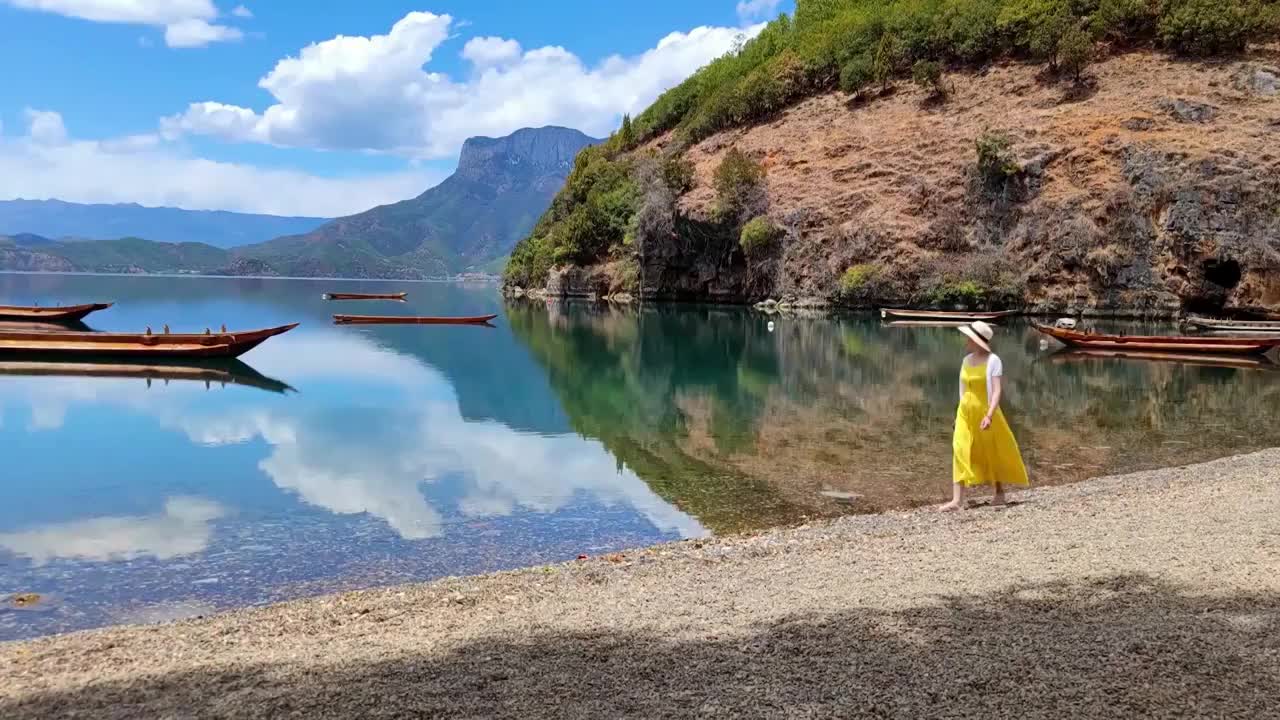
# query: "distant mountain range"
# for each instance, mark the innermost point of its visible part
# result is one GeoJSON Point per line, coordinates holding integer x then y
{"type": "Point", "coordinates": [58, 219]}
{"type": "Point", "coordinates": [466, 223]}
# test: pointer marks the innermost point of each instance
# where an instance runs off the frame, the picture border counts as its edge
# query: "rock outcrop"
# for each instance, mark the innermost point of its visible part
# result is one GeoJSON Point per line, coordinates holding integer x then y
{"type": "Point", "coordinates": [1152, 187]}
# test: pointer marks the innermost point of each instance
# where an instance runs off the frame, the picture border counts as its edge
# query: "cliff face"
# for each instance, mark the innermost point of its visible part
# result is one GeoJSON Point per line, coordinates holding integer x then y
{"type": "Point", "coordinates": [1154, 186]}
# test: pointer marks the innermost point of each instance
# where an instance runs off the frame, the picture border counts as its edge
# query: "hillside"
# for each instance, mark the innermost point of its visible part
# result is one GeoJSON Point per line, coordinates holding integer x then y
{"type": "Point", "coordinates": [1149, 182]}
{"type": "Point", "coordinates": [476, 215]}
{"type": "Point", "coordinates": [29, 252]}
{"type": "Point", "coordinates": [58, 219]}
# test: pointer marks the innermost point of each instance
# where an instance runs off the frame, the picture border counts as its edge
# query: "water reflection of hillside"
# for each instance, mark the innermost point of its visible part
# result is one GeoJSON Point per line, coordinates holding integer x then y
{"type": "Point", "coordinates": [746, 428]}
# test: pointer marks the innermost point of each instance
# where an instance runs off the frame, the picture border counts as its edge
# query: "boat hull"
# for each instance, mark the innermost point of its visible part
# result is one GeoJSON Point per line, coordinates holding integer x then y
{"type": "Point", "coordinates": [1160, 343]}
{"type": "Point", "coordinates": [134, 345]}
{"type": "Point", "coordinates": [945, 315]}
{"type": "Point", "coordinates": [1260, 327]}
{"type": "Point", "coordinates": [407, 320]}
{"type": "Point", "coordinates": [366, 296]}
{"type": "Point", "coordinates": [67, 314]}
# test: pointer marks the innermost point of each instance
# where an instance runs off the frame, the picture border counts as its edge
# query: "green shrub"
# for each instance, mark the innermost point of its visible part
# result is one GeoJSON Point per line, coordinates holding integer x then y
{"type": "Point", "coordinates": [967, 30]}
{"type": "Point", "coordinates": [996, 163]}
{"type": "Point", "coordinates": [856, 75]}
{"type": "Point", "coordinates": [1208, 27]}
{"type": "Point", "coordinates": [738, 183]}
{"type": "Point", "coordinates": [1075, 52]}
{"type": "Point", "coordinates": [856, 280]}
{"type": "Point", "coordinates": [1127, 22]}
{"type": "Point", "coordinates": [966, 293]}
{"type": "Point", "coordinates": [928, 75]}
{"type": "Point", "coordinates": [758, 235]}
{"type": "Point", "coordinates": [678, 173]}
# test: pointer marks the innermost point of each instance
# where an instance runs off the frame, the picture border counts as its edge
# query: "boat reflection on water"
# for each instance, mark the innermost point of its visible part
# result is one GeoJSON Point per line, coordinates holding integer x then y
{"type": "Point", "coordinates": [222, 372]}
{"type": "Point", "coordinates": [1244, 362]}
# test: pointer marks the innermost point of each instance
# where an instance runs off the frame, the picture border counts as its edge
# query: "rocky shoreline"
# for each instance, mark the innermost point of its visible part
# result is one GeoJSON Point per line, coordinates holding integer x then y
{"type": "Point", "coordinates": [1148, 595]}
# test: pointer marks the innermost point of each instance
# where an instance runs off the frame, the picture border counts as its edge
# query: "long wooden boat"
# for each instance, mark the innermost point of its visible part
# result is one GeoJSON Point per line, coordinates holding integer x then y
{"type": "Point", "coordinates": [925, 323]}
{"type": "Point", "coordinates": [945, 315]}
{"type": "Point", "coordinates": [410, 320]}
{"type": "Point", "coordinates": [222, 372]}
{"type": "Point", "coordinates": [151, 345]}
{"type": "Point", "coordinates": [1262, 327]}
{"type": "Point", "coordinates": [1250, 362]}
{"type": "Point", "coordinates": [67, 313]}
{"type": "Point", "coordinates": [1161, 343]}
{"type": "Point", "coordinates": [366, 296]}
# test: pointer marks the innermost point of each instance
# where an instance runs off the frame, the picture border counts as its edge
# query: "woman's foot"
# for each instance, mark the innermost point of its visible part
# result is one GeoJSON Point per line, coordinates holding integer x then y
{"type": "Point", "coordinates": [997, 497]}
{"type": "Point", "coordinates": [953, 506]}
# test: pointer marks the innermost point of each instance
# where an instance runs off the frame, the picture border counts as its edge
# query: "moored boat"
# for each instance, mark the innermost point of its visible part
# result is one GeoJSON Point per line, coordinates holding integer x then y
{"type": "Point", "coordinates": [1161, 343]}
{"type": "Point", "coordinates": [945, 315]}
{"type": "Point", "coordinates": [63, 344]}
{"type": "Point", "coordinates": [1263, 327]}
{"type": "Point", "coordinates": [63, 314]}
{"type": "Point", "coordinates": [366, 296]}
{"type": "Point", "coordinates": [410, 320]}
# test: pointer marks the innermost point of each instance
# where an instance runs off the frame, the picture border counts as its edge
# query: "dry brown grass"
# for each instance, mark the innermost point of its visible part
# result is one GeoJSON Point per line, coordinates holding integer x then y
{"type": "Point", "coordinates": [890, 182]}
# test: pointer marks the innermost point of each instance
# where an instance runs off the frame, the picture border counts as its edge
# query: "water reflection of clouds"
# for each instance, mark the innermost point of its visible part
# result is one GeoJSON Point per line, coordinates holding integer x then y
{"type": "Point", "coordinates": [371, 432]}
{"type": "Point", "coordinates": [184, 527]}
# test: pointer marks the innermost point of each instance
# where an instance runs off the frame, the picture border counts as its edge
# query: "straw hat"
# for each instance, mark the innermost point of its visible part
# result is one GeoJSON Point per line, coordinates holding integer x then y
{"type": "Point", "coordinates": [979, 332]}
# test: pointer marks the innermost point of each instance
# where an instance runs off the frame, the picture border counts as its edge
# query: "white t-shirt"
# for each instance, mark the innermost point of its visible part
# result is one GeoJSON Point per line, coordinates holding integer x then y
{"type": "Point", "coordinates": [995, 369]}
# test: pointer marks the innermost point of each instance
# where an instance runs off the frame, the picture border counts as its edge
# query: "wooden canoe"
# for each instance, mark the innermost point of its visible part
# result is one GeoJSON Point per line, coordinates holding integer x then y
{"type": "Point", "coordinates": [69, 344]}
{"type": "Point", "coordinates": [68, 313]}
{"type": "Point", "coordinates": [1250, 362]}
{"type": "Point", "coordinates": [1161, 343]}
{"type": "Point", "coordinates": [945, 315]}
{"type": "Point", "coordinates": [1262, 327]}
{"type": "Point", "coordinates": [223, 372]}
{"type": "Point", "coordinates": [409, 320]}
{"type": "Point", "coordinates": [366, 296]}
{"type": "Point", "coordinates": [926, 323]}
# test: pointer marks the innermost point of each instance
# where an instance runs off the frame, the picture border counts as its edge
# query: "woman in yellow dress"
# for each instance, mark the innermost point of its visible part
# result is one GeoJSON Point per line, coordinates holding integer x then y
{"type": "Point", "coordinates": [984, 451]}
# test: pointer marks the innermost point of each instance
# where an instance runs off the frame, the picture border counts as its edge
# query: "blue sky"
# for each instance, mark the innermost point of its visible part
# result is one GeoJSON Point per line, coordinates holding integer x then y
{"type": "Point", "coordinates": [320, 106]}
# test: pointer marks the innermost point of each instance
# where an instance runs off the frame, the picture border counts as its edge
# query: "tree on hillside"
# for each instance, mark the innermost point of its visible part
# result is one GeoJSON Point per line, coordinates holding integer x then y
{"type": "Point", "coordinates": [928, 75]}
{"type": "Point", "coordinates": [739, 183]}
{"type": "Point", "coordinates": [885, 61]}
{"type": "Point", "coordinates": [1075, 52]}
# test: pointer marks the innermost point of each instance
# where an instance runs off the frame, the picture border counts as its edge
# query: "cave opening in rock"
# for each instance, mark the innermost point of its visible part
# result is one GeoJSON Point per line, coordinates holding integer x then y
{"type": "Point", "coordinates": [1223, 273]}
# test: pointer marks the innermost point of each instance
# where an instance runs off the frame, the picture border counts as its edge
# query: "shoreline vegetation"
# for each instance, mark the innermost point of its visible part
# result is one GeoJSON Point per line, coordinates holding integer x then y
{"type": "Point", "coordinates": [980, 153]}
{"type": "Point", "coordinates": [1147, 595]}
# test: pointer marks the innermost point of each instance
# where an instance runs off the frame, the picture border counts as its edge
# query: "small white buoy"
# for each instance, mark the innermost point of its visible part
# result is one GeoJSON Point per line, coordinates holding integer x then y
{"type": "Point", "coordinates": [1044, 344]}
{"type": "Point", "coordinates": [770, 326]}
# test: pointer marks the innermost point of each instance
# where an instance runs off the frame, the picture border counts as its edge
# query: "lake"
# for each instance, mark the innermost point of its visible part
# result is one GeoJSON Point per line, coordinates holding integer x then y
{"type": "Point", "coordinates": [338, 458]}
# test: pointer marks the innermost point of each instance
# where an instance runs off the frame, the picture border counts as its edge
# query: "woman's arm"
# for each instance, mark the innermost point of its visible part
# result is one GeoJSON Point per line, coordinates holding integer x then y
{"type": "Point", "coordinates": [996, 386]}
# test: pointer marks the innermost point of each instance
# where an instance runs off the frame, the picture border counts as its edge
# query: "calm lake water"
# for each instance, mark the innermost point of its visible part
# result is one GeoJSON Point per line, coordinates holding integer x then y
{"type": "Point", "coordinates": [338, 457]}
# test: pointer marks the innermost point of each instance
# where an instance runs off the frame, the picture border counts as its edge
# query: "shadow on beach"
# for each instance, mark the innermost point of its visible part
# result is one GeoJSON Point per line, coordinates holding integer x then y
{"type": "Point", "coordinates": [1126, 646]}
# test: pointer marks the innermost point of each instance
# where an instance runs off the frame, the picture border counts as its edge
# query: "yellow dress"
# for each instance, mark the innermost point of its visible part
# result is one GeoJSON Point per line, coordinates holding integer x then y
{"type": "Point", "coordinates": [983, 457]}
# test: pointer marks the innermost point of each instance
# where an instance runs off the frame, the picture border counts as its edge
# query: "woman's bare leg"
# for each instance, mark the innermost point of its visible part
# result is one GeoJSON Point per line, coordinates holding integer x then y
{"type": "Point", "coordinates": [957, 499]}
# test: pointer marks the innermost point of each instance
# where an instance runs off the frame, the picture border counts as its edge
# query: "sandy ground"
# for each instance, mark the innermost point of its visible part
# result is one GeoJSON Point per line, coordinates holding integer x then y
{"type": "Point", "coordinates": [1152, 595]}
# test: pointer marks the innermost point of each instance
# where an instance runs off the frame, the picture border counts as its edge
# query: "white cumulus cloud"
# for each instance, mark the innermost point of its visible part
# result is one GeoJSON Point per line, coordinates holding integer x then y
{"type": "Point", "coordinates": [48, 163]}
{"type": "Point", "coordinates": [186, 23]}
{"type": "Point", "coordinates": [241, 11]}
{"type": "Point", "coordinates": [380, 94]}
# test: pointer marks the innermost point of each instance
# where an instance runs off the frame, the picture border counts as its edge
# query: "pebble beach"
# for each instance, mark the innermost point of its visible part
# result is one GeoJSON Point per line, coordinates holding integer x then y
{"type": "Point", "coordinates": [1154, 595]}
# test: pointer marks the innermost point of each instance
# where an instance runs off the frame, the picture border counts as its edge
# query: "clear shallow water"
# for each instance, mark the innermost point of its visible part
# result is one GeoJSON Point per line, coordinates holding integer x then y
{"type": "Point", "coordinates": [349, 457]}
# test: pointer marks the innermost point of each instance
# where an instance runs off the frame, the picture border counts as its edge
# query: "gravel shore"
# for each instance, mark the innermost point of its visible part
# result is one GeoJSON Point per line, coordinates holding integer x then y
{"type": "Point", "coordinates": [1154, 595]}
